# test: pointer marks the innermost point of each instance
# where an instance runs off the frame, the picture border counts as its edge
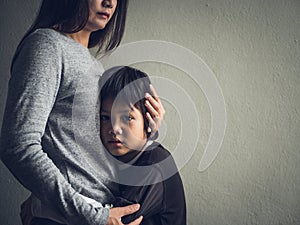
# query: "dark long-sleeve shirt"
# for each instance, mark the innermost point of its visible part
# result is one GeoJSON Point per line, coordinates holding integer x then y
{"type": "Point", "coordinates": [154, 182]}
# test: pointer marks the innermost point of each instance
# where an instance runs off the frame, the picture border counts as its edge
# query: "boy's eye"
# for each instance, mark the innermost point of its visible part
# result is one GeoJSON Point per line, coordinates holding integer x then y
{"type": "Point", "coordinates": [104, 117]}
{"type": "Point", "coordinates": [127, 118]}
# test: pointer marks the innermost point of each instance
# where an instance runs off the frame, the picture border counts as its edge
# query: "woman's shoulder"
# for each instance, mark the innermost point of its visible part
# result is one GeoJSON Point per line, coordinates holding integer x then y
{"type": "Point", "coordinates": [45, 40]}
{"type": "Point", "coordinates": [46, 31]}
{"type": "Point", "coordinates": [40, 43]}
{"type": "Point", "coordinates": [40, 39]}
{"type": "Point", "coordinates": [45, 35]}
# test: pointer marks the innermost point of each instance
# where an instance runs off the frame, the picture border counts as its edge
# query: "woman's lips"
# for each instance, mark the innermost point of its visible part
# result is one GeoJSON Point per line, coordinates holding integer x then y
{"type": "Point", "coordinates": [104, 15]}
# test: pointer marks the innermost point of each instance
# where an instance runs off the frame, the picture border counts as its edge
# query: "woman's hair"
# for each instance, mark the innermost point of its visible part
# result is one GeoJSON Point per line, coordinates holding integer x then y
{"type": "Point", "coordinates": [70, 16]}
{"type": "Point", "coordinates": [128, 85]}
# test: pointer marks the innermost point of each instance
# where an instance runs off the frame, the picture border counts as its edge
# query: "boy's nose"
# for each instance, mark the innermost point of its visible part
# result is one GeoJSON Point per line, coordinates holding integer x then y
{"type": "Point", "coordinates": [116, 129]}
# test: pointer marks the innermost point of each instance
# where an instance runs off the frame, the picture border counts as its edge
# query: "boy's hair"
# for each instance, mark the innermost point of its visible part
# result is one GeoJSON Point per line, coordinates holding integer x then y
{"type": "Point", "coordinates": [126, 84]}
{"type": "Point", "coordinates": [70, 16]}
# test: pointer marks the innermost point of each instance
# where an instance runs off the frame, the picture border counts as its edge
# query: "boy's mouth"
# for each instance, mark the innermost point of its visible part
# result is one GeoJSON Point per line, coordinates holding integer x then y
{"type": "Point", "coordinates": [115, 142]}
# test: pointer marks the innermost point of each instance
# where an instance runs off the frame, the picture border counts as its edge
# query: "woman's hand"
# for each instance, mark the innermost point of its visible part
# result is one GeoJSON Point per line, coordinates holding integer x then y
{"type": "Point", "coordinates": [117, 213]}
{"type": "Point", "coordinates": [26, 214]}
{"type": "Point", "coordinates": [155, 112]}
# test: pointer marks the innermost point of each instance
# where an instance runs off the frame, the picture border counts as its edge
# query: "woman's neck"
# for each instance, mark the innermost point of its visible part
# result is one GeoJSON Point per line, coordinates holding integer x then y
{"type": "Point", "coordinates": [81, 37]}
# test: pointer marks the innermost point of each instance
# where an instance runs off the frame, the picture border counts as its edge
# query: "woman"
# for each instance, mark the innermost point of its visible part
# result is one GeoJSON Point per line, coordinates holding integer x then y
{"type": "Point", "coordinates": [38, 143]}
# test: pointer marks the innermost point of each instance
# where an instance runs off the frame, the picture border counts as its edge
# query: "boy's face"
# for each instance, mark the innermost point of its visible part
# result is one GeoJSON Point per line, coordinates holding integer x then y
{"type": "Point", "coordinates": [121, 127]}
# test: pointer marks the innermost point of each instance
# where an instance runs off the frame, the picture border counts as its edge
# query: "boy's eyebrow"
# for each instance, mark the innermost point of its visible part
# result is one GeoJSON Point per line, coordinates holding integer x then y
{"type": "Point", "coordinates": [121, 111]}
{"type": "Point", "coordinates": [104, 111]}
{"type": "Point", "coordinates": [125, 111]}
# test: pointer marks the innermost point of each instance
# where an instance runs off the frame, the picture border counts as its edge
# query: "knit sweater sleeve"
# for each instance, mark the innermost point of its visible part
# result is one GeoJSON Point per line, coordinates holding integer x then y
{"type": "Point", "coordinates": [33, 87]}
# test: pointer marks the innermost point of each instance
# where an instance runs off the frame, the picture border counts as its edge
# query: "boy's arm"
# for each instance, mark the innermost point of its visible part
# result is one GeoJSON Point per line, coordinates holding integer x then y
{"type": "Point", "coordinates": [166, 199]}
{"type": "Point", "coordinates": [150, 198]}
{"type": "Point", "coordinates": [26, 214]}
{"type": "Point", "coordinates": [174, 201]}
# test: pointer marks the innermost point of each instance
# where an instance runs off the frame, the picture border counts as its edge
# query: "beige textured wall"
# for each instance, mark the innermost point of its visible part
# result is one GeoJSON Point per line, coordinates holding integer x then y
{"type": "Point", "coordinates": [253, 48]}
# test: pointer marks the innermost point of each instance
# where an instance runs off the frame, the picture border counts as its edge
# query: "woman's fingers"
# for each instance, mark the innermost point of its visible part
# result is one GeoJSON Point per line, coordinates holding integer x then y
{"type": "Point", "coordinates": [155, 109]}
{"type": "Point", "coordinates": [117, 213]}
{"type": "Point", "coordinates": [153, 92]}
{"type": "Point", "coordinates": [154, 101]}
{"type": "Point", "coordinates": [152, 106]}
{"type": "Point", "coordinates": [152, 123]}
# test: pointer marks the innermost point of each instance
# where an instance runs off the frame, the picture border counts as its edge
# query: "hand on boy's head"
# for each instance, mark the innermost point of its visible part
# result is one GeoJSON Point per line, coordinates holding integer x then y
{"type": "Point", "coordinates": [156, 111]}
{"type": "Point", "coordinates": [117, 213]}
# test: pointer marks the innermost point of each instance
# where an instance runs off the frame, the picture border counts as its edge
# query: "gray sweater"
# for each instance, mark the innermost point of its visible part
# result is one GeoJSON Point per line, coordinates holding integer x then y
{"type": "Point", "coordinates": [49, 138]}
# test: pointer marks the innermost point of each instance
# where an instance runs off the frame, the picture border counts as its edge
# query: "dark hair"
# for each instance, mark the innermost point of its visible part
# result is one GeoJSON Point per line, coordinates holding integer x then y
{"type": "Point", "coordinates": [126, 84]}
{"type": "Point", "coordinates": [70, 16]}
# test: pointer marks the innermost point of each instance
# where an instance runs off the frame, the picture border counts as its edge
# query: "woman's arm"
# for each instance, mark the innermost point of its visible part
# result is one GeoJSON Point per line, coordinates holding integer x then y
{"type": "Point", "coordinates": [115, 214]}
{"type": "Point", "coordinates": [34, 83]}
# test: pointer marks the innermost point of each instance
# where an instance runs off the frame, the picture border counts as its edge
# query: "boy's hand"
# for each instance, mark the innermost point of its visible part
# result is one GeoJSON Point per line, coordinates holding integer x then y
{"type": "Point", "coordinates": [117, 213]}
{"type": "Point", "coordinates": [25, 214]}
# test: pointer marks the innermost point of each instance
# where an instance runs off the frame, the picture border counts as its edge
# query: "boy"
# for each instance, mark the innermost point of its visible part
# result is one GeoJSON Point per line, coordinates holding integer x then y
{"type": "Point", "coordinates": [147, 172]}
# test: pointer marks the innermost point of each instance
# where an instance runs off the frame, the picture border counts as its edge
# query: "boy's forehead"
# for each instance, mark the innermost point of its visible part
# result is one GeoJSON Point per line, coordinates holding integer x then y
{"type": "Point", "coordinates": [116, 105]}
